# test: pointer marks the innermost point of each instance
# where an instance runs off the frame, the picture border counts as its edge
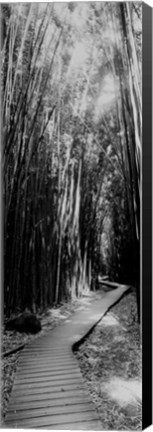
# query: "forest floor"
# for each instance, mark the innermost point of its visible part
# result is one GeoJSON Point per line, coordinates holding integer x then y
{"type": "Point", "coordinates": [110, 361]}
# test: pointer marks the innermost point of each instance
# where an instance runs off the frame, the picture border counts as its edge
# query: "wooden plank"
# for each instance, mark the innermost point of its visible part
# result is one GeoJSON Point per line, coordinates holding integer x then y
{"type": "Point", "coordinates": [40, 368]}
{"type": "Point", "coordinates": [47, 348]}
{"type": "Point", "coordinates": [54, 372]}
{"type": "Point", "coordinates": [45, 377]}
{"type": "Point", "coordinates": [47, 372]}
{"type": "Point", "coordinates": [49, 352]}
{"type": "Point", "coordinates": [49, 344]}
{"type": "Point", "coordinates": [43, 365]}
{"type": "Point", "coordinates": [54, 419]}
{"type": "Point", "coordinates": [31, 372]}
{"type": "Point", "coordinates": [36, 404]}
{"type": "Point", "coordinates": [47, 383]}
{"type": "Point", "coordinates": [65, 409]}
{"type": "Point", "coordinates": [35, 365]}
{"type": "Point", "coordinates": [84, 425]}
{"type": "Point", "coordinates": [44, 389]}
{"type": "Point", "coordinates": [47, 355]}
{"type": "Point", "coordinates": [45, 359]}
{"type": "Point", "coordinates": [48, 395]}
{"type": "Point", "coordinates": [45, 362]}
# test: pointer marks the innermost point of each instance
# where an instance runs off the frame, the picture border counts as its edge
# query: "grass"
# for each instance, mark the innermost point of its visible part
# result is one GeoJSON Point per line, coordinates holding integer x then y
{"type": "Point", "coordinates": [110, 361]}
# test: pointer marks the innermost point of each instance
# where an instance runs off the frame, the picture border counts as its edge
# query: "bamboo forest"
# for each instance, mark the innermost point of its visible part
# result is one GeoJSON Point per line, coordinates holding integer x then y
{"type": "Point", "coordinates": [71, 129]}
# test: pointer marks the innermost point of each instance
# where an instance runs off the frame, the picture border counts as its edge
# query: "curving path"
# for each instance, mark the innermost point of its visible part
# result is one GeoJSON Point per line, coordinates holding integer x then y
{"type": "Point", "coordinates": [49, 391]}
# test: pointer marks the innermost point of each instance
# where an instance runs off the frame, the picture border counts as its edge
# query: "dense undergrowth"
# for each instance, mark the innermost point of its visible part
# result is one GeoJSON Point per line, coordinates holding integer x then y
{"type": "Point", "coordinates": [110, 361]}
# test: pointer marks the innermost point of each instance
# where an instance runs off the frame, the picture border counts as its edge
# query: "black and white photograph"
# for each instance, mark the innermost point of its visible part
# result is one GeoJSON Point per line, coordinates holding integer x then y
{"type": "Point", "coordinates": [71, 116]}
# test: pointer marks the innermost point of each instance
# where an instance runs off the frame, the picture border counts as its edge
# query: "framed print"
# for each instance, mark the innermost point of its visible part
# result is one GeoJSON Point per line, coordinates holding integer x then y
{"type": "Point", "coordinates": [76, 210]}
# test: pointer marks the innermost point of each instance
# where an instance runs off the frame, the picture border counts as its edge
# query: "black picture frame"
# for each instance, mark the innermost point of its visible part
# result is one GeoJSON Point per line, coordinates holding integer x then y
{"type": "Point", "coordinates": [146, 256]}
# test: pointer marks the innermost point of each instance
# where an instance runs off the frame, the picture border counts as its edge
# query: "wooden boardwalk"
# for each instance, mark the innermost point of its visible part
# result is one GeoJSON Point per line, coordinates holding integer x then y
{"type": "Point", "coordinates": [49, 391]}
